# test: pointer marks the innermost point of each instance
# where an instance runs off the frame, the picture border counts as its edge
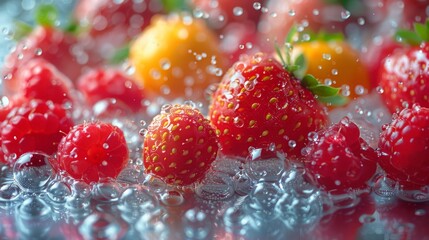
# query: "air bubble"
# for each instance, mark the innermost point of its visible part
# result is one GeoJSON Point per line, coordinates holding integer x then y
{"type": "Point", "coordinates": [151, 225]}
{"type": "Point", "coordinates": [257, 5]}
{"type": "Point", "coordinates": [101, 226]}
{"type": "Point", "coordinates": [137, 199]}
{"type": "Point", "coordinates": [33, 218]}
{"type": "Point", "coordinates": [32, 172]}
{"type": "Point", "coordinates": [345, 14]}
{"type": "Point", "coordinates": [196, 224]}
{"type": "Point", "coordinates": [58, 192]}
{"type": "Point", "coordinates": [215, 186]}
{"type": "Point", "coordinates": [172, 198]}
{"type": "Point", "coordinates": [263, 199]}
{"type": "Point", "coordinates": [237, 11]}
{"type": "Point", "coordinates": [326, 56]}
{"type": "Point", "coordinates": [9, 192]}
{"type": "Point", "coordinates": [106, 192]}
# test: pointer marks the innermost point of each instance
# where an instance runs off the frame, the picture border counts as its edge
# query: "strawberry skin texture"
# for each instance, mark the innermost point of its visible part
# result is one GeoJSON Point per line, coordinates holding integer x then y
{"type": "Point", "coordinates": [93, 152]}
{"type": "Point", "coordinates": [404, 147]}
{"type": "Point", "coordinates": [180, 145]}
{"type": "Point", "coordinates": [404, 78]}
{"type": "Point", "coordinates": [100, 84]}
{"type": "Point", "coordinates": [33, 126]}
{"type": "Point", "coordinates": [339, 159]}
{"type": "Point", "coordinates": [258, 103]}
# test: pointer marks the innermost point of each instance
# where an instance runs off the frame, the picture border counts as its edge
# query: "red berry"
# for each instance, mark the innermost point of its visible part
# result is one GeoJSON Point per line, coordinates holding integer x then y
{"type": "Point", "coordinates": [404, 147]}
{"type": "Point", "coordinates": [258, 104]}
{"type": "Point", "coordinates": [33, 126]}
{"type": "Point", "coordinates": [55, 46]}
{"type": "Point", "coordinates": [102, 84]}
{"type": "Point", "coordinates": [180, 145]}
{"type": "Point", "coordinates": [339, 159]}
{"type": "Point", "coordinates": [114, 23]}
{"type": "Point", "coordinates": [404, 77]}
{"type": "Point", "coordinates": [38, 79]}
{"type": "Point", "coordinates": [92, 152]}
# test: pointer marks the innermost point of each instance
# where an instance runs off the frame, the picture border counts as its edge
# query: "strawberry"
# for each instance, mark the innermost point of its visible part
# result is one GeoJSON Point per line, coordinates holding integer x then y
{"type": "Point", "coordinates": [404, 75]}
{"type": "Point", "coordinates": [100, 84]}
{"type": "Point", "coordinates": [33, 126]}
{"type": "Point", "coordinates": [404, 147]}
{"type": "Point", "coordinates": [259, 103]}
{"type": "Point", "coordinates": [55, 46]}
{"type": "Point", "coordinates": [92, 152]}
{"type": "Point", "coordinates": [111, 23]}
{"type": "Point", "coordinates": [339, 159]}
{"type": "Point", "coordinates": [180, 145]}
{"type": "Point", "coordinates": [38, 79]}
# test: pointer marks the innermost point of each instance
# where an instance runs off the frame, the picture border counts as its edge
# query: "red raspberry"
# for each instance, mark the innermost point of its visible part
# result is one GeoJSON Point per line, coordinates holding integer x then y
{"type": "Point", "coordinates": [102, 84]}
{"type": "Point", "coordinates": [33, 126]}
{"type": "Point", "coordinates": [38, 79]}
{"type": "Point", "coordinates": [340, 159]}
{"type": "Point", "coordinates": [92, 152]}
{"type": "Point", "coordinates": [404, 147]}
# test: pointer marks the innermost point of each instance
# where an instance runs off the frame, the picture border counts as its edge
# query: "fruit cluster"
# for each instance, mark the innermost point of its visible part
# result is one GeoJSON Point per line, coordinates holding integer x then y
{"type": "Point", "coordinates": [222, 78]}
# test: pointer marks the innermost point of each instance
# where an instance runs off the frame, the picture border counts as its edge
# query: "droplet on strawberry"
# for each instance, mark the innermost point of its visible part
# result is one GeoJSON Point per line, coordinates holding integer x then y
{"type": "Point", "coordinates": [339, 159]}
{"type": "Point", "coordinates": [180, 145]}
{"type": "Point", "coordinates": [404, 147]}
{"type": "Point", "coordinates": [93, 152]}
{"type": "Point", "coordinates": [259, 103]}
{"type": "Point", "coordinates": [100, 84]}
{"type": "Point", "coordinates": [33, 126]}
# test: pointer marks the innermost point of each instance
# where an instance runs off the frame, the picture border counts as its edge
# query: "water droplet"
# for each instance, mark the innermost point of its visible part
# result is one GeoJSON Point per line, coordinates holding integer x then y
{"type": "Point", "coordinates": [33, 217]}
{"type": "Point", "coordinates": [32, 172]}
{"type": "Point", "coordinates": [58, 192]}
{"type": "Point", "coordinates": [9, 192]}
{"type": "Point", "coordinates": [263, 198]}
{"type": "Point", "coordinates": [326, 56]}
{"type": "Point", "coordinates": [137, 199]}
{"type": "Point", "coordinates": [345, 14]}
{"type": "Point", "coordinates": [172, 198]}
{"type": "Point", "coordinates": [257, 5]}
{"type": "Point", "coordinates": [196, 224]}
{"type": "Point", "coordinates": [151, 225]}
{"type": "Point", "coordinates": [420, 212]}
{"type": "Point", "coordinates": [101, 226]}
{"type": "Point", "coordinates": [237, 11]}
{"type": "Point", "coordinates": [292, 12]}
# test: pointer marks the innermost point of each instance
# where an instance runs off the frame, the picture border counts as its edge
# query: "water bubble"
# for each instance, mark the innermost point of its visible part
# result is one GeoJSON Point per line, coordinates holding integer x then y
{"type": "Point", "coordinates": [106, 192]}
{"type": "Point", "coordinates": [266, 168]}
{"type": "Point", "coordinates": [151, 225]}
{"type": "Point", "coordinates": [215, 186]}
{"type": "Point", "coordinates": [345, 14]}
{"type": "Point", "coordinates": [154, 183]}
{"type": "Point", "coordinates": [263, 198]}
{"type": "Point", "coordinates": [172, 198]}
{"type": "Point", "coordinates": [58, 192]}
{"type": "Point", "coordinates": [334, 72]}
{"type": "Point", "coordinates": [32, 172]}
{"type": "Point", "coordinates": [420, 212]}
{"type": "Point", "coordinates": [236, 220]}
{"type": "Point", "coordinates": [243, 184]}
{"type": "Point", "coordinates": [326, 56]}
{"type": "Point", "coordinates": [359, 90]}
{"type": "Point", "coordinates": [316, 12]}
{"type": "Point", "coordinates": [195, 224]}
{"type": "Point", "coordinates": [136, 199]}
{"type": "Point", "coordinates": [9, 192]}
{"type": "Point", "coordinates": [361, 21]}
{"type": "Point", "coordinates": [257, 5]}
{"type": "Point", "coordinates": [33, 217]}
{"type": "Point", "coordinates": [237, 11]}
{"type": "Point", "coordinates": [101, 226]}
{"type": "Point", "coordinates": [81, 189]}
{"type": "Point", "coordinates": [292, 13]}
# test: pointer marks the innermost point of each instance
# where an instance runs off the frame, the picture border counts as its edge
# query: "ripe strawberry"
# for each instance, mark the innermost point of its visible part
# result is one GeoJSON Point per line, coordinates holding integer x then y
{"type": "Point", "coordinates": [92, 152]}
{"type": "Point", "coordinates": [404, 75]}
{"type": "Point", "coordinates": [55, 46]}
{"type": "Point", "coordinates": [404, 147]}
{"type": "Point", "coordinates": [38, 79]}
{"type": "Point", "coordinates": [339, 159]}
{"type": "Point", "coordinates": [33, 126]}
{"type": "Point", "coordinates": [106, 83]}
{"type": "Point", "coordinates": [114, 23]}
{"type": "Point", "coordinates": [259, 103]}
{"type": "Point", "coordinates": [180, 145]}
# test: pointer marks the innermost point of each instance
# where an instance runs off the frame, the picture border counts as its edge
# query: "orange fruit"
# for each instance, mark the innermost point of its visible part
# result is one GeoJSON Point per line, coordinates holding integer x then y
{"type": "Point", "coordinates": [337, 64]}
{"type": "Point", "coordinates": [177, 56]}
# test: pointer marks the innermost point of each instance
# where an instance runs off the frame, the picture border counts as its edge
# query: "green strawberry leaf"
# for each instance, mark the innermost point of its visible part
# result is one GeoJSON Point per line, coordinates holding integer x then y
{"type": "Point", "coordinates": [422, 30]}
{"type": "Point", "coordinates": [46, 15]}
{"type": "Point", "coordinates": [120, 55]}
{"type": "Point", "coordinates": [72, 27]}
{"type": "Point", "coordinates": [309, 81]}
{"type": "Point", "coordinates": [21, 29]}
{"type": "Point", "coordinates": [419, 34]}
{"type": "Point", "coordinates": [175, 5]}
{"type": "Point", "coordinates": [324, 90]}
{"type": "Point", "coordinates": [337, 100]}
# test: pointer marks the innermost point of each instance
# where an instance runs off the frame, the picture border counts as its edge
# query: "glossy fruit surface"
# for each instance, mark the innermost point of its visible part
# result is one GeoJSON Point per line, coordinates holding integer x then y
{"type": "Point", "coordinates": [339, 159]}
{"type": "Point", "coordinates": [93, 152]}
{"type": "Point", "coordinates": [33, 126]}
{"type": "Point", "coordinates": [259, 103]}
{"type": "Point", "coordinates": [404, 145]}
{"type": "Point", "coordinates": [180, 145]}
{"type": "Point", "coordinates": [177, 56]}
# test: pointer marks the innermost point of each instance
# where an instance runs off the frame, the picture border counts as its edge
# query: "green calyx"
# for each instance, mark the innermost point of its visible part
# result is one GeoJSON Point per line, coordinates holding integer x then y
{"type": "Point", "coordinates": [418, 35]}
{"type": "Point", "coordinates": [120, 55]}
{"type": "Point", "coordinates": [46, 15]}
{"type": "Point", "coordinates": [298, 67]}
{"type": "Point", "coordinates": [175, 5]}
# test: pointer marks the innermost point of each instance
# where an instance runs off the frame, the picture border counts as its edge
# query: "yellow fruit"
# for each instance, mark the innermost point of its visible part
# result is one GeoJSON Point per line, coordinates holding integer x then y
{"type": "Point", "coordinates": [177, 56]}
{"type": "Point", "coordinates": [336, 63]}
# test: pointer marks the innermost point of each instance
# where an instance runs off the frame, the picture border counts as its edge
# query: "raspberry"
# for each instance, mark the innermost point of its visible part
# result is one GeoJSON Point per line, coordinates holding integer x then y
{"type": "Point", "coordinates": [101, 84]}
{"type": "Point", "coordinates": [340, 159]}
{"type": "Point", "coordinates": [92, 152]}
{"type": "Point", "coordinates": [33, 126]}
